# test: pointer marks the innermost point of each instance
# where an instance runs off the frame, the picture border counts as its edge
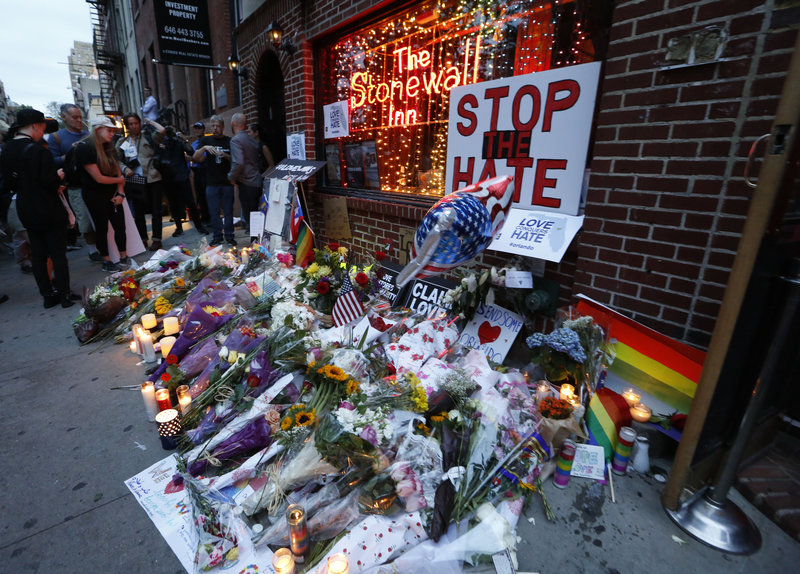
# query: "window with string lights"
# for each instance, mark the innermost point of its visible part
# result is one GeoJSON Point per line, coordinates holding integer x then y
{"type": "Point", "coordinates": [386, 85]}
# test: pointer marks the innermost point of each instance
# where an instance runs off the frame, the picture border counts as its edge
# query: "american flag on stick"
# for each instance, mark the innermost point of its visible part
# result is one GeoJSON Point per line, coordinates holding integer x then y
{"type": "Point", "coordinates": [347, 307]}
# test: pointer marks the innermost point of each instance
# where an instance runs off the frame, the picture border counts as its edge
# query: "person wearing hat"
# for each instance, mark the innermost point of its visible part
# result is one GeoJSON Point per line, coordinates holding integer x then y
{"type": "Point", "coordinates": [199, 173]}
{"type": "Point", "coordinates": [29, 171]}
{"type": "Point", "coordinates": [102, 185]}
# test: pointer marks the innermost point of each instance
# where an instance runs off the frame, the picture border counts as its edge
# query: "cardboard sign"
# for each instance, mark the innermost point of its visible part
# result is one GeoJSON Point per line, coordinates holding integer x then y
{"type": "Point", "coordinates": [590, 462]}
{"type": "Point", "coordinates": [277, 205]}
{"type": "Point", "coordinates": [534, 127]}
{"type": "Point", "coordinates": [337, 221]}
{"type": "Point", "coordinates": [537, 234]}
{"type": "Point", "coordinates": [426, 296]}
{"type": "Point", "coordinates": [336, 120]}
{"type": "Point", "coordinates": [492, 331]}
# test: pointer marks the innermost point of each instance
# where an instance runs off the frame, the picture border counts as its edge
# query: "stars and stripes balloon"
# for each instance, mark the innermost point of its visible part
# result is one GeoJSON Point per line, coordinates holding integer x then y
{"type": "Point", "coordinates": [458, 227]}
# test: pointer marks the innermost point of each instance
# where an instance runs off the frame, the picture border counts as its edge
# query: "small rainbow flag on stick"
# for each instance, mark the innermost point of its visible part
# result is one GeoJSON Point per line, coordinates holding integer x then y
{"type": "Point", "coordinates": [608, 412]}
{"type": "Point", "coordinates": [305, 245]}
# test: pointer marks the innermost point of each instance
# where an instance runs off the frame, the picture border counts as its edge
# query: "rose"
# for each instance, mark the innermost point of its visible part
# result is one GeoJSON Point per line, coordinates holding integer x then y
{"type": "Point", "coordinates": [362, 279]}
{"type": "Point", "coordinates": [172, 359]}
{"type": "Point", "coordinates": [380, 255]}
{"type": "Point", "coordinates": [253, 380]}
{"type": "Point", "coordinates": [333, 246]}
{"type": "Point", "coordinates": [165, 377]}
{"type": "Point", "coordinates": [323, 287]}
{"type": "Point", "coordinates": [273, 419]}
{"type": "Point", "coordinates": [346, 405]}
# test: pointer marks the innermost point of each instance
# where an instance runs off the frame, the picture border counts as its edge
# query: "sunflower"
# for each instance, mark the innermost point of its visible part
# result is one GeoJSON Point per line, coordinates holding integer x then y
{"type": "Point", "coordinates": [352, 386]}
{"type": "Point", "coordinates": [305, 418]}
{"type": "Point", "coordinates": [286, 423]}
{"type": "Point", "coordinates": [333, 372]}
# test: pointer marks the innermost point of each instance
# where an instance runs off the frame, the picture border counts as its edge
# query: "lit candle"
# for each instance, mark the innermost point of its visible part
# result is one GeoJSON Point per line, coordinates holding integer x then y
{"type": "Point", "coordinates": [641, 413]}
{"type": "Point", "coordinates": [542, 391]}
{"type": "Point", "coordinates": [282, 561]}
{"type": "Point", "coordinates": [133, 347]}
{"type": "Point", "coordinates": [574, 400]}
{"type": "Point", "coordinates": [162, 398]}
{"type": "Point", "coordinates": [148, 350]}
{"type": "Point", "coordinates": [337, 564]}
{"type": "Point", "coordinates": [166, 345]}
{"type": "Point", "coordinates": [567, 391]}
{"type": "Point", "coordinates": [169, 426]}
{"type": "Point", "coordinates": [298, 531]}
{"type": "Point", "coordinates": [149, 321]}
{"type": "Point", "coordinates": [631, 396]}
{"type": "Point", "coordinates": [184, 398]}
{"type": "Point", "coordinates": [171, 326]}
{"type": "Point", "coordinates": [149, 397]}
{"type": "Point", "coordinates": [137, 333]}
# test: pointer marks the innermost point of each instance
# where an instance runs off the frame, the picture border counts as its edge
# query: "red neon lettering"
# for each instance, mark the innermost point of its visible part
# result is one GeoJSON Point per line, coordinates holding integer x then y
{"type": "Point", "coordinates": [536, 100]}
{"type": "Point", "coordinates": [459, 176]}
{"type": "Point", "coordinates": [359, 93]}
{"type": "Point", "coordinates": [543, 182]}
{"type": "Point", "coordinates": [495, 94]}
{"type": "Point", "coordinates": [472, 119]}
{"type": "Point", "coordinates": [554, 105]}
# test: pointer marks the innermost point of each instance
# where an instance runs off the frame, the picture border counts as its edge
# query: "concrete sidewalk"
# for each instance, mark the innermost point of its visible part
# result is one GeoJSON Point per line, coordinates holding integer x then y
{"type": "Point", "coordinates": [67, 443]}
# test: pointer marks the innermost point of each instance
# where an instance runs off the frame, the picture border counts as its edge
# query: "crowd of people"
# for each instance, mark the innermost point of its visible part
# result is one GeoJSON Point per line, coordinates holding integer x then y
{"type": "Point", "coordinates": [76, 183]}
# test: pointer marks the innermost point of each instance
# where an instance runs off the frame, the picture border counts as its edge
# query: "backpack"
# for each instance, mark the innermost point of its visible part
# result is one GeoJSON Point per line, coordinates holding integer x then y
{"type": "Point", "coordinates": [72, 171]}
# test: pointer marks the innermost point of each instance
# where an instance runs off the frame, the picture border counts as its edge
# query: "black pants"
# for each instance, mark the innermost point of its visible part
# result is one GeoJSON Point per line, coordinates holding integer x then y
{"type": "Point", "coordinates": [184, 199]}
{"type": "Point", "coordinates": [104, 212]}
{"type": "Point", "coordinates": [200, 192]}
{"type": "Point", "coordinates": [248, 199]}
{"type": "Point", "coordinates": [155, 194]}
{"type": "Point", "coordinates": [50, 243]}
{"type": "Point", "coordinates": [136, 194]}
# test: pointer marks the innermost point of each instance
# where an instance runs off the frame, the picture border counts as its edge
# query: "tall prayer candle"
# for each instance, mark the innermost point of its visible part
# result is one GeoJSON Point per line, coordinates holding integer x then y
{"type": "Point", "coordinates": [137, 333]}
{"type": "Point", "coordinates": [171, 326]}
{"type": "Point", "coordinates": [148, 350]}
{"type": "Point", "coordinates": [184, 398]}
{"type": "Point", "coordinates": [162, 398]}
{"type": "Point", "coordinates": [298, 531]}
{"type": "Point", "coordinates": [166, 345]}
{"type": "Point", "coordinates": [149, 397]}
{"type": "Point", "coordinates": [149, 321]}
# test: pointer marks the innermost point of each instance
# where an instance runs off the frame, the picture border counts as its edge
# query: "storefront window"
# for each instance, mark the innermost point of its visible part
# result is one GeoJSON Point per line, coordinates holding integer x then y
{"type": "Point", "coordinates": [386, 86]}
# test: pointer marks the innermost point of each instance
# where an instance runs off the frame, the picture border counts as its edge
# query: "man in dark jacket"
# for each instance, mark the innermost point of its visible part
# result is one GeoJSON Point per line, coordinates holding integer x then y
{"type": "Point", "coordinates": [30, 172]}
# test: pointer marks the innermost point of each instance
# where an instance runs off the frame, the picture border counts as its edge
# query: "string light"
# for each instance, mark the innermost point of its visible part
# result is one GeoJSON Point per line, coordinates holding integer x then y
{"type": "Point", "coordinates": [397, 76]}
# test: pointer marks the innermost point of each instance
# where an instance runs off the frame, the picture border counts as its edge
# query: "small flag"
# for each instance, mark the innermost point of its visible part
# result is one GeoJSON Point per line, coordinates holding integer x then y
{"type": "Point", "coordinates": [263, 204]}
{"type": "Point", "coordinates": [305, 245]}
{"type": "Point", "coordinates": [607, 413]}
{"type": "Point", "coordinates": [297, 217]}
{"type": "Point", "coordinates": [347, 307]}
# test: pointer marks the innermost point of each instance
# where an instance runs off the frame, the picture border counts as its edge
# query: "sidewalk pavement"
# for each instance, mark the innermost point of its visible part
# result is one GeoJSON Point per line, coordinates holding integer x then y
{"type": "Point", "coordinates": [67, 443]}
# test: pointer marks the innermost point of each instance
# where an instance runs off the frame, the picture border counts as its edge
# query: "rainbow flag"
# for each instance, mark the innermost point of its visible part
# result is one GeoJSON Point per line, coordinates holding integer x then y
{"type": "Point", "coordinates": [607, 413]}
{"type": "Point", "coordinates": [305, 245]}
{"type": "Point", "coordinates": [660, 366]}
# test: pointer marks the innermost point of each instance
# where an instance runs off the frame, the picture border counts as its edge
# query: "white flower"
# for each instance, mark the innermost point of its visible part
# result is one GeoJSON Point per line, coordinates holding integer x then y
{"type": "Point", "coordinates": [223, 353]}
{"type": "Point", "coordinates": [472, 284]}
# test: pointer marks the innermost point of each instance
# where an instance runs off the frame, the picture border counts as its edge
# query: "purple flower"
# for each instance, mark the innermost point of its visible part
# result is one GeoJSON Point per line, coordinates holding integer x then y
{"type": "Point", "coordinates": [368, 434]}
{"type": "Point", "coordinates": [346, 405]}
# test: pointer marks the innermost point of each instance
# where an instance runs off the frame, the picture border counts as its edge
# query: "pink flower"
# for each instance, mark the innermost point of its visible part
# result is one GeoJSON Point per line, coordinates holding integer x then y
{"type": "Point", "coordinates": [346, 405]}
{"type": "Point", "coordinates": [368, 434]}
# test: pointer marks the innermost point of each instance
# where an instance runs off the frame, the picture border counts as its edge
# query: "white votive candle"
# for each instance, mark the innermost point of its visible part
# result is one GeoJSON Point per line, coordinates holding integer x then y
{"type": "Point", "coordinates": [149, 397]}
{"type": "Point", "coordinates": [171, 326]}
{"type": "Point", "coordinates": [337, 564]}
{"type": "Point", "coordinates": [149, 321]}
{"type": "Point", "coordinates": [166, 345]}
{"type": "Point", "coordinates": [148, 350]}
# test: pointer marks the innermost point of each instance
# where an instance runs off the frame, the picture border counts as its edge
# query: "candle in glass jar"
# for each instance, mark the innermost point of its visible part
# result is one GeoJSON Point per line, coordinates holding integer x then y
{"type": "Point", "coordinates": [631, 396]}
{"type": "Point", "coordinates": [298, 531]}
{"type": "Point", "coordinates": [184, 398]}
{"type": "Point", "coordinates": [166, 345]}
{"type": "Point", "coordinates": [282, 561]}
{"type": "Point", "coordinates": [171, 326]}
{"type": "Point", "coordinates": [567, 391]}
{"type": "Point", "coordinates": [337, 564]}
{"type": "Point", "coordinates": [149, 397]}
{"type": "Point", "coordinates": [641, 413]}
{"type": "Point", "coordinates": [148, 350]}
{"type": "Point", "coordinates": [542, 391]}
{"type": "Point", "coordinates": [137, 333]}
{"type": "Point", "coordinates": [133, 347]}
{"type": "Point", "coordinates": [149, 321]}
{"type": "Point", "coordinates": [575, 401]}
{"type": "Point", "coordinates": [162, 398]}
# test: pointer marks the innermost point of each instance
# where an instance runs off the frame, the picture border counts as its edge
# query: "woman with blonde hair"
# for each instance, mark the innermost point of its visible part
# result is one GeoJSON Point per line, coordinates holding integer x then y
{"type": "Point", "coordinates": [103, 188]}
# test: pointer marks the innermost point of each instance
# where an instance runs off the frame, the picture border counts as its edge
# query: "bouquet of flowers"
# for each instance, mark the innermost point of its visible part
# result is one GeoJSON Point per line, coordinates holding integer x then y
{"type": "Point", "coordinates": [560, 354]}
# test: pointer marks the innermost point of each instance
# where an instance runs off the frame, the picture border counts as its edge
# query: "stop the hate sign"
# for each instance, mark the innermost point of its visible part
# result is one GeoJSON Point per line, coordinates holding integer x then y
{"type": "Point", "coordinates": [534, 127]}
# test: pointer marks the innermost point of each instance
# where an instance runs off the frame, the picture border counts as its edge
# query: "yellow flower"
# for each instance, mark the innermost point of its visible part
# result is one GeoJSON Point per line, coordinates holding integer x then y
{"type": "Point", "coordinates": [312, 269]}
{"type": "Point", "coordinates": [342, 250]}
{"type": "Point", "coordinates": [306, 418]}
{"type": "Point", "coordinates": [286, 423]}
{"type": "Point", "coordinates": [333, 372]}
{"type": "Point", "coordinates": [324, 270]}
{"type": "Point", "coordinates": [180, 283]}
{"type": "Point", "coordinates": [352, 386]}
{"type": "Point", "coordinates": [437, 418]}
{"type": "Point", "coordinates": [162, 305]}
{"type": "Point", "coordinates": [310, 366]}
{"type": "Point", "coordinates": [420, 399]}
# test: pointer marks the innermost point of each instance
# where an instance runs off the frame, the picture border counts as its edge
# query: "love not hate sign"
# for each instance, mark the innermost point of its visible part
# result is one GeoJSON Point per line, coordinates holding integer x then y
{"type": "Point", "coordinates": [534, 127]}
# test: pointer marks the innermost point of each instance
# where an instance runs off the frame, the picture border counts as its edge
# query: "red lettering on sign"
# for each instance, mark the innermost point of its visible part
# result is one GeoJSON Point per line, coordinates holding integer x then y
{"type": "Point", "coordinates": [495, 94]}
{"type": "Point", "coordinates": [553, 105]}
{"type": "Point", "coordinates": [536, 99]}
{"type": "Point", "coordinates": [468, 129]}
{"type": "Point", "coordinates": [543, 182]}
{"type": "Point", "coordinates": [459, 176]}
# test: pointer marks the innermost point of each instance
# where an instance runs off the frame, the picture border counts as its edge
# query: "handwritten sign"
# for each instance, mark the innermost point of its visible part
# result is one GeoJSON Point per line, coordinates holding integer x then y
{"type": "Point", "coordinates": [426, 296]}
{"type": "Point", "coordinates": [388, 281]}
{"type": "Point", "coordinates": [590, 462]}
{"type": "Point", "coordinates": [492, 331]}
{"type": "Point", "coordinates": [534, 127]}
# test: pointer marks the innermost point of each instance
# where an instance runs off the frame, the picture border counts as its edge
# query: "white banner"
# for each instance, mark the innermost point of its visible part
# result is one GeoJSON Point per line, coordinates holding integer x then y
{"type": "Point", "coordinates": [537, 234]}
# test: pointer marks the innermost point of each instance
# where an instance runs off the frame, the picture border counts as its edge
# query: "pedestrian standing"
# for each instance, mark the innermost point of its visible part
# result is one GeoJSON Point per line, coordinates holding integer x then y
{"type": "Point", "coordinates": [150, 107]}
{"type": "Point", "coordinates": [215, 152]}
{"type": "Point", "coordinates": [61, 144]}
{"type": "Point", "coordinates": [176, 151]}
{"type": "Point", "coordinates": [245, 174]}
{"type": "Point", "coordinates": [30, 172]}
{"type": "Point", "coordinates": [199, 174]}
{"type": "Point", "coordinates": [104, 188]}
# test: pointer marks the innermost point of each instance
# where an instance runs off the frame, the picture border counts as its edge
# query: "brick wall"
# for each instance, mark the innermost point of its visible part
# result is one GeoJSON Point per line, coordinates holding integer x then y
{"type": "Point", "coordinates": [667, 201]}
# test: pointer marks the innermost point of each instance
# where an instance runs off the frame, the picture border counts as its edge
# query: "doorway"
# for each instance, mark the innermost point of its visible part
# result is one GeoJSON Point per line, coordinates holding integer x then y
{"type": "Point", "coordinates": [271, 104]}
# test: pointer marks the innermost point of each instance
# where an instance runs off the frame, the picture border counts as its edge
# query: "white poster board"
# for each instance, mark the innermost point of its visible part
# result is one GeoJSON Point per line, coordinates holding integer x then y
{"type": "Point", "coordinates": [589, 462]}
{"type": "Point", "coordinates": [492, 331]}
{"type": "Point", "coordinates": [336, 120]}
{"type": "Point", "coordinates": [277, 202]}
{"type": "Point", "coordinates": [534, 127]}
{"type": "Point", "coordinates": [537, 234]}
{"type": "Point", "coordinates": [296, 146]}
